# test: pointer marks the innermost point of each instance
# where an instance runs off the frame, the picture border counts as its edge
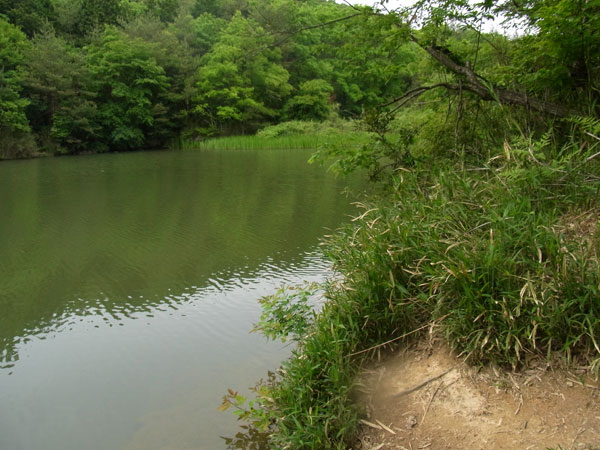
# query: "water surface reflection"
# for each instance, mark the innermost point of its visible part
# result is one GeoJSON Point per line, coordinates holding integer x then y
{"type": "Point", "coordinates": [128, 286]}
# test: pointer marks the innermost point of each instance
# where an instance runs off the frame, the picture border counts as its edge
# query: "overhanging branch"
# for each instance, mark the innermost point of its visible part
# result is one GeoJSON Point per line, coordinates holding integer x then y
{"type": "Point", "coordinates": [502, 96]}
{"type": "Point", "coordinates": [312, 27]}
{"type": "Point", "coordinates": [475, 83]}
{"type": "Point", "coordinates": [414, 93]}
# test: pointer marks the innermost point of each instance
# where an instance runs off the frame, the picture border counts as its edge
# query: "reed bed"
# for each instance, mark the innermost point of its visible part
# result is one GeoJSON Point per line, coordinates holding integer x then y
{"type": "Point", "coordinates": [257, 142]}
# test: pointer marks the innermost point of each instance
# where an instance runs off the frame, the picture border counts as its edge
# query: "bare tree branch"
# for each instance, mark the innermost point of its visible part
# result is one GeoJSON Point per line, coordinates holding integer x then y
{"type": "Point", "coordinates": [312, 27]}
{"type": "Point", "coordinates": [413, 93]}
{"type": "Point", "coordinates": [351, 5]}
{"type": "Point", "coordinates": [290, 34]}
{"type": "Point", "coordinates": [502, 96]}
{"type": "Point", "coordinates": [482, 88]}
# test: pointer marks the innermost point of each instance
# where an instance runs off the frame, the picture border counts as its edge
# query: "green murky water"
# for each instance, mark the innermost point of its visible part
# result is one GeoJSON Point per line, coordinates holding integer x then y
{"type": "Point", "coordinates": [129, 285]}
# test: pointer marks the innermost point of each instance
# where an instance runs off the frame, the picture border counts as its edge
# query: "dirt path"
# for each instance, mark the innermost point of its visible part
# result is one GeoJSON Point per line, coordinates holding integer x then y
{"type": "Point", "coordinates": [425, 398]}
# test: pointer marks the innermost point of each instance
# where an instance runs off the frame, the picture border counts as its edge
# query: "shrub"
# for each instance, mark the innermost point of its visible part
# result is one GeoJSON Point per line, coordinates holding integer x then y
{"type": "Point", "coordinates": [504, 257]}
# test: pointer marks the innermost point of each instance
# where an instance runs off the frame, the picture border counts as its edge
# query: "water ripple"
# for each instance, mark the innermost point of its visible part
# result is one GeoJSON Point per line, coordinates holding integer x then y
{"type": "Point", "coordinates": [130, 283]}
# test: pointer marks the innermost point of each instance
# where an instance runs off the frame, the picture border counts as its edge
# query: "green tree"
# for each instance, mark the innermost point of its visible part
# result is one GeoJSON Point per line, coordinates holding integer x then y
{"type": "Point", "coordinates": [165, 10]}
{"type": "Point", "coordinates": [201, 33]}
{"type": "Point", "coordinates": [62, 110]}
{"type": "Point", "coordinates": [562, 60]}
{"type": "Point", "coordinates": [475, 90]}
{"type": "Point", "coordinates": [241, 82]}
{"type": "Point", "coordinates": [80, 17]}
{"type": "Point", "coordinates": [557, 54]}
{"type": "Point", "coordinates": [311, 102]}
{"type": "Point", "coordinates": [13, 44]}
{"type": "Point", "coordinates": [308, 49]}
{"type": "Point", "coordinates": [358, 55]}
{"type": "Point", "coordinates": [170, 46]}
{"type": "Point", "coordinates": [15, 139]}
{"type": "Point", "coordinates": [204, 7]}
{"type": "Point", "coordinates": [128, 83]}
{"type": "Point", "coordinates": [28, 15]}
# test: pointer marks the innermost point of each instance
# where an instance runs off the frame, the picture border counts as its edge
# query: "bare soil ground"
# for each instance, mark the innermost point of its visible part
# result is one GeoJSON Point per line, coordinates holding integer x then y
{"type": "Point", "coordinates": [424, 397]}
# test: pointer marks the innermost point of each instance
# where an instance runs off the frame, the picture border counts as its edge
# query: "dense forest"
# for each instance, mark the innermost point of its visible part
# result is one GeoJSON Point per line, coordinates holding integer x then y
{"type": "Point", "coordinates": [89, 76]}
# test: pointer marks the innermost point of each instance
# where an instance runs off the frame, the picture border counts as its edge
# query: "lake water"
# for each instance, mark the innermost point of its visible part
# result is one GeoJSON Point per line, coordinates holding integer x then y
{"type": "Point", "coordinates": [129, 285]}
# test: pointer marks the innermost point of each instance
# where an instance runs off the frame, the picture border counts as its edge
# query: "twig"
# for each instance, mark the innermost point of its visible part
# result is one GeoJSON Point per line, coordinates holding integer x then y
{"type": "Point", "coordinates": [579, 433]}
{"type": "Point", "coordinates": [592, 157]}
{"type": "Point", "coordinates": [424, 383]}
{"type": "Point", "coordinates": [399, 337]}
{"type": "Point", "coordinates": [519, 407]}
{"type": "Point", "coordinates": [588, 159]}
{"type": "Point", "coordinates": [592, 135]}
{"type": "Point", "coordinates": [351, 5]}
{"type": "Point", "coordinates": [583, 384]}
{"type": "Point", "coordinates": [369, 424]}
{"type": "Point", "coordinates": [416, 92]}
{"type": "Point", "coordinates": [431, 401]}
{"type": "Point", "coordinates": [290, 34]}
{"type": "Point", "coordinates": [312, 27]}
{"type": "Point", "coordinates": [388, 429]}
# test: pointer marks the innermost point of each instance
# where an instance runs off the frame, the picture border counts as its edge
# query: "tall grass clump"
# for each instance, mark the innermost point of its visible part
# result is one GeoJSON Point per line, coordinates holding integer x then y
{"type": "Point", "coordinates": [286, 135]}
{"type": "Point", "coordinates": [503, 257]}
{"type": "Point", "coordinates": [254, 143]}
{"type": "Point", "coordinates": [333, 126]}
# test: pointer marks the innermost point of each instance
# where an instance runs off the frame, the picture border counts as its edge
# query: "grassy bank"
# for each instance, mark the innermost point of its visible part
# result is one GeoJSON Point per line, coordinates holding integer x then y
{"type": "Point", "coordinates": [257, 142]}
{"type": "Point", "coordinates": [502, 257]}
{"type": "Point", "coordinates": [286, 135]}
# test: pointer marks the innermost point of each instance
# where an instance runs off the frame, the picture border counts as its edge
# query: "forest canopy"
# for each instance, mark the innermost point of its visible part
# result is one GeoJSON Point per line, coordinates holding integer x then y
{"type": "Point", "coordinates": [90, 75]}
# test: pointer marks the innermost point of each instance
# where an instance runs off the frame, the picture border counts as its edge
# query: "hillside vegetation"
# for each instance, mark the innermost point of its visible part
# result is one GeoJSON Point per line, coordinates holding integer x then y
{"type": "Point", "coordinates": [82, 76]}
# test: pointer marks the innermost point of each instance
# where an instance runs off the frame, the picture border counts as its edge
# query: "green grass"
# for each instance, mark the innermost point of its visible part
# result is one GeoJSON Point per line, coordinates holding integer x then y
{"type": "Point", "coordinates": [286, 135]}
{"type": "Point", "coordinates": [260, 142]}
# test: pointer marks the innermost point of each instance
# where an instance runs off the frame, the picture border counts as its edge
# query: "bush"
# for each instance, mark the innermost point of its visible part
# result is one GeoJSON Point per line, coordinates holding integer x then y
{"type": "Point", "coordinates": [333, 126]}
{"type": "Point", "coordinates": [17, 144]}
